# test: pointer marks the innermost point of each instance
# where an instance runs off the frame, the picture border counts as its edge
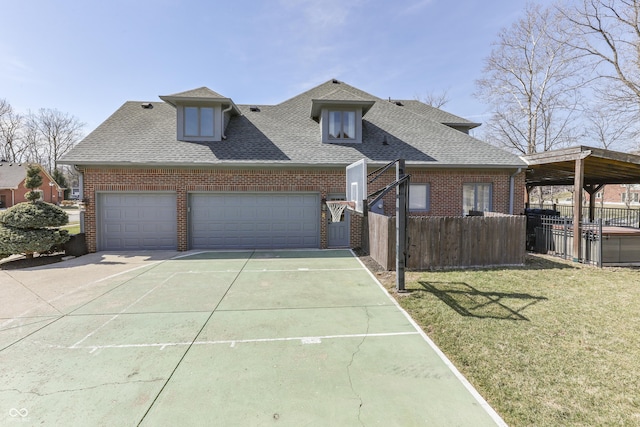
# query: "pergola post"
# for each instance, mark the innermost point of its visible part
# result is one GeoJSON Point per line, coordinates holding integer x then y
{"type": "Point", "coordinates": [592, 189]}
{"type": "Point", "coordinates": [578, 184]}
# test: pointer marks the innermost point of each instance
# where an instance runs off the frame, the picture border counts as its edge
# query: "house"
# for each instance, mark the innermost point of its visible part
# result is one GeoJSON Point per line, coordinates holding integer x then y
{"type": "Point", "coordinates": [619, 195]}
{"type": "Point", "coordinates": [12, 189]}
{"type": "Point", "coordinates": [197, 171]}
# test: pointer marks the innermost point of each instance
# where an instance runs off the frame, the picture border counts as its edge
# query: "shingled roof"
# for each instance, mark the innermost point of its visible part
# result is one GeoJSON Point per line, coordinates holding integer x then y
{"type": "Point", "coordinates": [12, 174]}
{"type": "Point", "coordinates": [286, 135]}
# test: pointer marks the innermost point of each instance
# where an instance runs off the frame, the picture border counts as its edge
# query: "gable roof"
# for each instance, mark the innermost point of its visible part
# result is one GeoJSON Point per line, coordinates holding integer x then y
{"type": "Point", "coordinates": [12, 174]}
{"type": "Point", "coordinates": [286, 135]}
{"type": "Point", "coordinates": [201, 92]}
{"type": "Point", "coordinates": [437, 114]}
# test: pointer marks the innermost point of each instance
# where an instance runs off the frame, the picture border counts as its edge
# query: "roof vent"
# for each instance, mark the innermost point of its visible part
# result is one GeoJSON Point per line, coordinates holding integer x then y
{"type": "Point", "coordinates": [335, 81]}
{"type": "Point", "coordinates": [146, 105]}
{"type": "Point", "coordinates": [254, 108]}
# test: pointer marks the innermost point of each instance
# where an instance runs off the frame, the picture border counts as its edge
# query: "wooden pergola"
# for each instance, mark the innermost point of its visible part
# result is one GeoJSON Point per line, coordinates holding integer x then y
{"type": "Point", "coordinates": [586, 168]}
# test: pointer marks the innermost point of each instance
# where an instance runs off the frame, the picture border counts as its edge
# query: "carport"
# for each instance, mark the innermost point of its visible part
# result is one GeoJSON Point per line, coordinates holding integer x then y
{"type": "Point", "coordinates": [586, 168]}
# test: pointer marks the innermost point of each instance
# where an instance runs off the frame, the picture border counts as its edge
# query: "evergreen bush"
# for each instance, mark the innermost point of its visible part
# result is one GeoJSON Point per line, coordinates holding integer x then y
{"type": "Point", "coordinates": [24, 228]}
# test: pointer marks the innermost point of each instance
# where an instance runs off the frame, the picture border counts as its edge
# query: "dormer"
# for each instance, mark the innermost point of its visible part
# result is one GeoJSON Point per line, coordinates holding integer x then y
{"type": "Point", "coordinates": [201, 114]}
{"type": "Point", "coordinates": [340, 116]}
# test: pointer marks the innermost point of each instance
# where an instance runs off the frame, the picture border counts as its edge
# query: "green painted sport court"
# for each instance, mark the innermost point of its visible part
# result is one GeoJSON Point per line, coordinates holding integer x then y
{"type": "Point", "coordinates": [248, 338]}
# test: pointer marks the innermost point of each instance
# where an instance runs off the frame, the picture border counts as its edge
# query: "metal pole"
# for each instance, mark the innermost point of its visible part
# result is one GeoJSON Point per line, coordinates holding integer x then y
{"type": "Point", "coordinates": [401, 226]}
{"type": "Point", "coordinates": [600, 243]}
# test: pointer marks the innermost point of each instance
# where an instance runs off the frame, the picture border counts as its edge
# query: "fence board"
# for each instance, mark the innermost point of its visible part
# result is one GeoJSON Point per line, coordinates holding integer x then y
{"type": "Point", "coordinates": [451, 242]}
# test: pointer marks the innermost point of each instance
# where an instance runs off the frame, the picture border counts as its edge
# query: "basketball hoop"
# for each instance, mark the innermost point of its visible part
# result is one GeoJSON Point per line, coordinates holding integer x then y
{"type": "Point", "coordinates": [336, 207]}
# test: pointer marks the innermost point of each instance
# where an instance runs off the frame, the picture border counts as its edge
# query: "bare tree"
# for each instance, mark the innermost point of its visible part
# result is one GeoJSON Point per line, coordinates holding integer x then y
{"type": "Point", "coordinates": [50, 134]}
{"type": "Point", "coordinates": [11, 148]}
{"type": "Point", "coordinates": [608, 127]}
{"type": "Point", "coordinates": [434, 99]}
{"type": "Point", "coordinates": [608, 33]}
{"type": "Point", "coordinates": [532, 80]}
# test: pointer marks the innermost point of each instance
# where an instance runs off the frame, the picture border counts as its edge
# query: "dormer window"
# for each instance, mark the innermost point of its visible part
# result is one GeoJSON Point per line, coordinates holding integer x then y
{"type": "Point", "coordinates": [342, 124]}
{"type": "Point", "coordinates": [201, 114]}
{"type": "Point", "coordinates": [198, 121]}
{"type": "Point", "coordinates": [340, 116]}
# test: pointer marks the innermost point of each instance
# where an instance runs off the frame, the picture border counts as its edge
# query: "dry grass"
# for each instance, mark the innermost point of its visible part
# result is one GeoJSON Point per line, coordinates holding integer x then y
{"type": "Point", "coordinates": [553, 343]}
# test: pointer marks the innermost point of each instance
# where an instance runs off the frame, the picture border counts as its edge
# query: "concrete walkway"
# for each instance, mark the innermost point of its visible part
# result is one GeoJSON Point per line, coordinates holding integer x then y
{"type": "Point", "coordinates": [219, 338]}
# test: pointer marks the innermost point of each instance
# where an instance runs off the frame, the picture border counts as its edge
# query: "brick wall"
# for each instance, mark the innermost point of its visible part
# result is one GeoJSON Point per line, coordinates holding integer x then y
{"type": "Point", "coordinates": [446, 189]}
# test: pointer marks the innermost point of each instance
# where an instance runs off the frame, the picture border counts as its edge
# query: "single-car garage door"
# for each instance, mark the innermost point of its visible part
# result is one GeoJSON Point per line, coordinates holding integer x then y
{"type": "Point", "coordinates": [134, 221]}
{"type": "Point", "coordinates": [254, 220]}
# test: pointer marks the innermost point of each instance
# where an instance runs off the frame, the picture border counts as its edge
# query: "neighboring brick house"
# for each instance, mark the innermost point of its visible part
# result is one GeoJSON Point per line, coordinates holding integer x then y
{"type": "Point", "coordinates": [620, 195]}
{"type": "Point", "coordinates": [12, 189]}
{"type": "Point", "coordinates": [197, 171]}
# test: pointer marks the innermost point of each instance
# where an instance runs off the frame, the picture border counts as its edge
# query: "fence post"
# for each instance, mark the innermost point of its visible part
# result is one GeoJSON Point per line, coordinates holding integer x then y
{"type": "Point", "coordinates": [600, 243]}
{"type": "Point", "coordinates": [565, 229]}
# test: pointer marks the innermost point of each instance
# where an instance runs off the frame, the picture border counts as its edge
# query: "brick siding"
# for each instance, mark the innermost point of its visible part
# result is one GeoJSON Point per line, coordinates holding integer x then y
{"type": "Point", "coordinates": [446, 189]}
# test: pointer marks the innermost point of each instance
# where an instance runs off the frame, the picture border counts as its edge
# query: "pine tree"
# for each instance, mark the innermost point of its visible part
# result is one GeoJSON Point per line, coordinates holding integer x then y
{"type": "Point", "coordinates": [33, 181]}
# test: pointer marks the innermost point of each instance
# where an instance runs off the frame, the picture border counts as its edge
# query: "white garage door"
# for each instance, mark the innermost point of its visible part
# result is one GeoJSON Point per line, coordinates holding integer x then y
{"type": "Point", "coordinates": [134, 221]}
{"type": "Point", "coordinates": [254, 220]}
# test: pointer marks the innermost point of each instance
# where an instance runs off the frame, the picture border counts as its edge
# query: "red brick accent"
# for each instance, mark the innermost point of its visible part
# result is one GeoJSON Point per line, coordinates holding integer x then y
{"type": "Point", "coordinates": [446, 189]}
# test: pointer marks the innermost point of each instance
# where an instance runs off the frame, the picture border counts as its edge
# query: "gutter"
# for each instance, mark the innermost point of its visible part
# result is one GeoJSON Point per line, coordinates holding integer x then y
{"type": "Point", "coordinates": [226, 110]}
{"type": "Point", "coordinates": [512, 185]}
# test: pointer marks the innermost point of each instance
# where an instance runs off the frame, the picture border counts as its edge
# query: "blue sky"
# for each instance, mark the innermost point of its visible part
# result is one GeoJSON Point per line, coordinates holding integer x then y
{"type": "Point", "coordinates": [88, 57]}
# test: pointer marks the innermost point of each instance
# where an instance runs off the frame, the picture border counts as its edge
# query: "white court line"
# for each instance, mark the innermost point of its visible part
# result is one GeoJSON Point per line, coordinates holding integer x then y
{"type": "Point", "coordinates": [232, 343]}
{"type": "Point", "coordinates": [122, 311]}
{"type": "Point", "coordinates": [264, 270]}
{"type": "Point", "coordinates": [470, 388]}
{"type": "Point", "coordinates": [78, 289]}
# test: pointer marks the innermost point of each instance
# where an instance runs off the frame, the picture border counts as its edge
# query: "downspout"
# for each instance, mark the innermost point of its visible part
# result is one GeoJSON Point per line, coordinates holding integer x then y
{"type": "Point", "coordinates": [81, 189]}
{"type": "Point", "coordinates": [512, 184]}
{"type": "Point", "coordinates": [226, 110]}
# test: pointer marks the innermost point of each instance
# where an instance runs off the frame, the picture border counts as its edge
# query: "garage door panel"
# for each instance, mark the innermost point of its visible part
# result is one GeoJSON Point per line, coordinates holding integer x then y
{"type": "Point", "coordinates": [254, 220]}
{"type": "Point", "coordinates": [134, 221]}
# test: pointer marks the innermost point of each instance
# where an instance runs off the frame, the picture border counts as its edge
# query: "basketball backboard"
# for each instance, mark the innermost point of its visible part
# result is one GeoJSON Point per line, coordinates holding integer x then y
{"type": "Point", "coordinates": [356, 187]}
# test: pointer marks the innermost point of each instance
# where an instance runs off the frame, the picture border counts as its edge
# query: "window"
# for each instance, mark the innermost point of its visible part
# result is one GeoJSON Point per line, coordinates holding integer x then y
{"type": "Point", "coordinates": [476, 197]}
{"type": "Point", "coordinates": [198, 121]}
{"type": "Point", "coordinates": [342, 124]}
{"type": "Point", "coordinates": [419, 197]}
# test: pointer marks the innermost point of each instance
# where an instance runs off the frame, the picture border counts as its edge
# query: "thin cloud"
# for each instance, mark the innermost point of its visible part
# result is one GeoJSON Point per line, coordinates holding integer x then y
{"type": "Point", "coordinates": [415, 7]}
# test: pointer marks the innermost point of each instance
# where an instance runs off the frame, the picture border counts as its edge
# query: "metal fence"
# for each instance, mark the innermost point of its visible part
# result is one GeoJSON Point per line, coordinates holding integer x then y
{"type": "Point", "coordinates": [554, 236]}
{"type": "Point", "coordinates": [610, 216]}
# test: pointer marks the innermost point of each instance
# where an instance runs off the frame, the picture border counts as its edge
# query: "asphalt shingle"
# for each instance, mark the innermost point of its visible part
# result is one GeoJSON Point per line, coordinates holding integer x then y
{"type": "Point", "coordinates": [285, 134]}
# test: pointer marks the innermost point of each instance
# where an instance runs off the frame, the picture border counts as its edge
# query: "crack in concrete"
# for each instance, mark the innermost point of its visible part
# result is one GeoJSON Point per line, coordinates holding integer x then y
{"type": "Point", "coordinates": [353, 355]}
{"type": "Point", "coordinates": [39, 394]}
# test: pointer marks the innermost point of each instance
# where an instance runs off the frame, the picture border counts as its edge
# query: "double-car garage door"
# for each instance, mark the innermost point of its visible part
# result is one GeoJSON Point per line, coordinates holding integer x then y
{"type": "Point", "coordinates": [254, 220]}
{"type": "Point", "coordinates": [133, 221]}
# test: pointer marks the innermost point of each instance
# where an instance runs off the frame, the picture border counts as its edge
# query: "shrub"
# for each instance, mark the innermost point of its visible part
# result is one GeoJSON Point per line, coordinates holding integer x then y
{"type": "Point", "coordinates": [34, 215]}
{"type": "Point", "coordinates": [23, 228]}
{"type": "Point", "coordinates": [19, 240]}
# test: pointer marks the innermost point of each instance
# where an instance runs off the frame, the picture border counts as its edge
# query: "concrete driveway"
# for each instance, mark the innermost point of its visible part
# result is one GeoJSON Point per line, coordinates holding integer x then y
{"type": "Point", "coordinates": [219, 338]}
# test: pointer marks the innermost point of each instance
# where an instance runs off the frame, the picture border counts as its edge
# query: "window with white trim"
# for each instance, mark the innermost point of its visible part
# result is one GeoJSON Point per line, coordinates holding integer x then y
{"type": "Point", "coordinates": [198, 121]}
{"type": "Point", "coordinates": [419, 197]}
{"type": "Point", "coordinates": [476, 197]}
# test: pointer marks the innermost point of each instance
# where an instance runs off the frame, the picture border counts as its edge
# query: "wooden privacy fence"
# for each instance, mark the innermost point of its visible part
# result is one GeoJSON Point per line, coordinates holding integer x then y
{"type": "Point", "coordinates": [450, 242]}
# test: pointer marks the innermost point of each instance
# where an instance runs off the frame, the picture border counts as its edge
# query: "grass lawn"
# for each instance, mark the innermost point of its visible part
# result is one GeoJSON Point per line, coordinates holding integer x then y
{"type": "Point", "coordinates": [553, 343]}
{"type": "Point", "coordinates": [73, 228]}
